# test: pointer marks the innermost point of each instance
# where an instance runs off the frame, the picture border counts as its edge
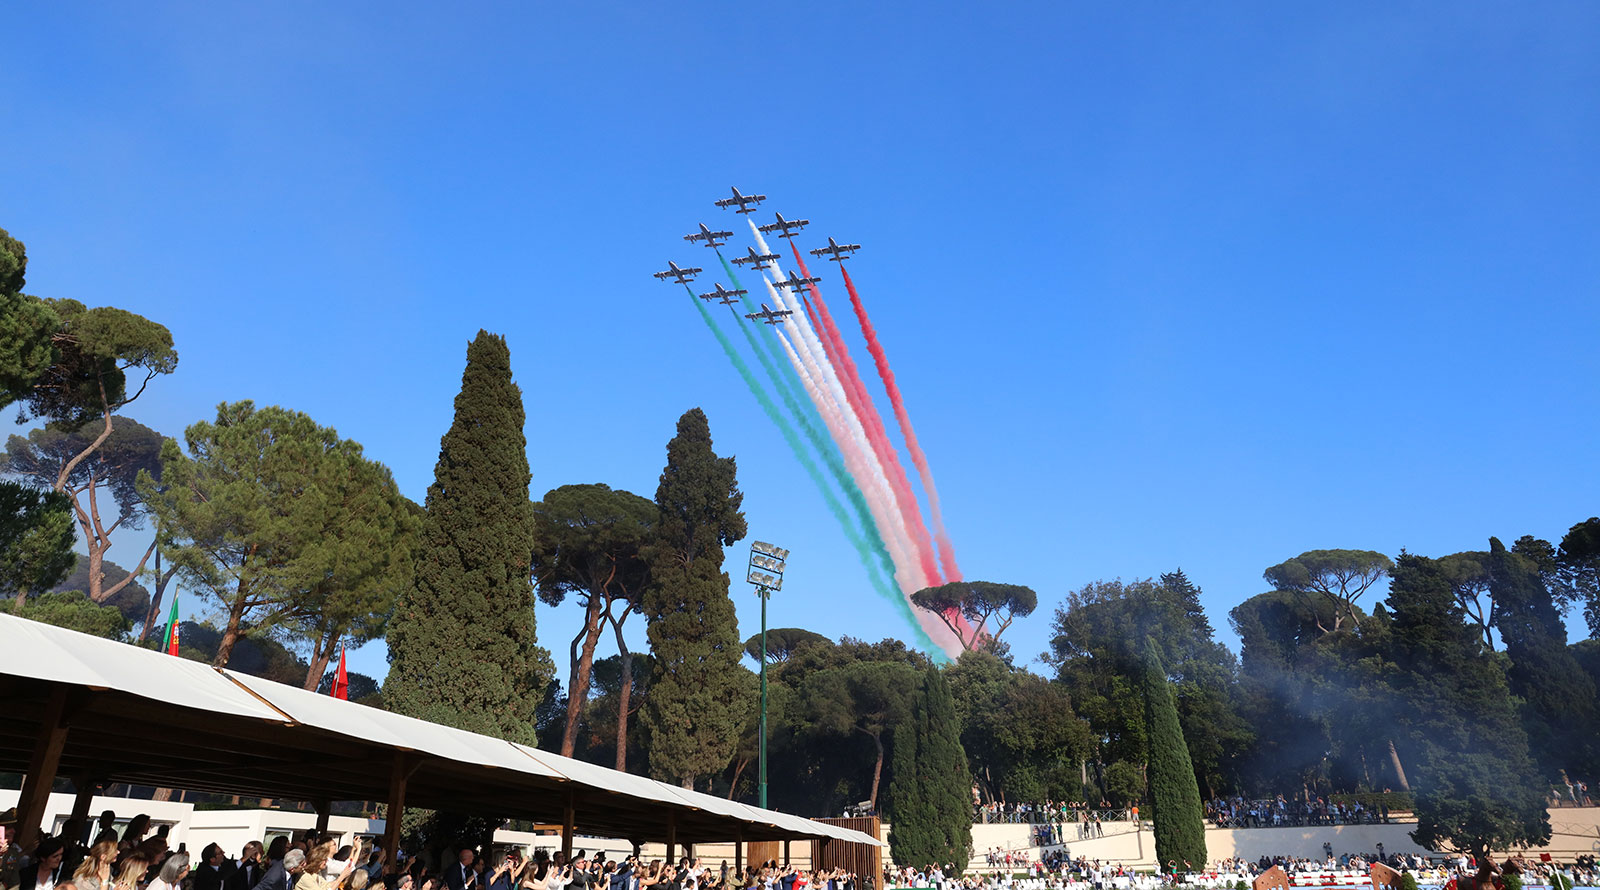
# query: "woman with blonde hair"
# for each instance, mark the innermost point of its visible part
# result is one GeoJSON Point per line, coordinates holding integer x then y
{"type": "Point", "coordinates": [311, 877]}
{"type": "Point", "coordinates": [98, 863]}
{"type": "Point", "coordinates": [134, 865]}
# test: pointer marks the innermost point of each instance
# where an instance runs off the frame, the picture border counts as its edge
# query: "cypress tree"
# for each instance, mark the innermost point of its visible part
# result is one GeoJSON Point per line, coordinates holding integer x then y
{"type": "Point", "coordinates": [931, 790]}
{"type": "Point", "coordinates": [696, 706]}
{"type": "Point", "coordinates": [1174, 794]}
{"type": "Point", "coordinates": [462, 648]}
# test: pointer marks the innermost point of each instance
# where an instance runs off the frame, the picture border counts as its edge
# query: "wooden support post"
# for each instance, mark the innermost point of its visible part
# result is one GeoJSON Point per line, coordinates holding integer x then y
{"type": "Point", "coordinates": [738, 854]}
{"type": "Point", "coordinates": [324, 809]}
{"type": "Point", "coordinates": [638, 845]}
{"type": "Point", "coordinates": [41, 772]}
{"type": "Point", "coordinates": [786, 853]}
{"type": "Point", "coordinates": [569, 815]}
{"type": "Point", "coordinates": [819, 854]}
{"type": "Point", "coordinates": [672, 838]}
{"type": "Point", "coordinates": [404, 765]}
{"type": "Point", "coordinates": [86, 784]}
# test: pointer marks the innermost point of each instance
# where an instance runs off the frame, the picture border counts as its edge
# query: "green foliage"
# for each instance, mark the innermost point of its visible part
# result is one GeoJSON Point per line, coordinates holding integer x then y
{"type": "Point", "coordinates": [26, 326]}
{"type": "Point", "coordinates": [1180, 832]}
{"type": "Point", "coordinates": [1408, 881]}
{"type": "Point", "coordinates": [73, 611]}
{"type": "Point", "coordinates": [869, 697]}
{"type": "Point", "coordinates": [589, 541]}
{"type": "Point", "coordinates": [133, 600]}
{"type": "Point", "coordinates": [1096, 651]}
{"type": "Point", "coordinates": [1512, 880]}
{"type": "Point", "coordinates": [1578, 562]}
{"type": "Point", "coordinates": [1559, 708]}
{"type": "Point", "coordinates": [36, 537]}
{"type": "Point", "coordinates": [462, 645]}
{"type": "Point", "coordinates": [930, 792]}
{"type": "Point", "coordinates": [694, 712]}
{"type": "Point", "coordinates": [277, 521]}
{"type": "Point", "coordinates": [1340, 577]}
{"type": "Point", "coordinates": [1124, 784]}
{"type": "Point", "coordinates": [1021, 737]}
{"type": "Point", "coordinates": [782, 642]}
{"type": "Point", "coordinates": [102, 482]}
{"type": "Point", "coordinates": [96, 350]}
{"type": "Point", "coordinates": [1477, 788]}
{"type": "Point", "coordinates": [985, 605]}
{"type": "Point", "coordinates": [257, 654]}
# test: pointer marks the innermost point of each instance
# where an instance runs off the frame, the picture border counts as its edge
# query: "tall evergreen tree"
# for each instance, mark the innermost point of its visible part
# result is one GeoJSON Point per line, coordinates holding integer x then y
{"type": "Point", "coordinates": [1180, 828]}
{"type": "Point", "coordinates": [931, 791]}
{"type": "Point", "coordinates": [694, 712]}
{"type": "Point", "coordinates": [462, 648]}
{"type": "Point", "coordinates": [1558, 698]}
{"type": "Point", "coordinates": [1477, 789]}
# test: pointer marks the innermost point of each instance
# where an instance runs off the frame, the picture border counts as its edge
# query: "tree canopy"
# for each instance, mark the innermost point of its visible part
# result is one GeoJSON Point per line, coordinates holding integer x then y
{"type": "Point", "coordinates": [988, 607]}
{"type": "Point", "coordinates": [1339, 576]}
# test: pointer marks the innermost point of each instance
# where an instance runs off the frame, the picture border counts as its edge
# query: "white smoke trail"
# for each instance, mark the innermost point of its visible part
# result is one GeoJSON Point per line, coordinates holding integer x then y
{"type": "Point", "coordinates": [875, 483]}
{"type": "Point", "coordinates": [848, 447]}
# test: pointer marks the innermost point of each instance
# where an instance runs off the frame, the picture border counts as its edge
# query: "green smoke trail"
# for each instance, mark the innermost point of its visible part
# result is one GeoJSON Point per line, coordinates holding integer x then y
{"type": "Point", "coordinates": [863, 549]}
{"type": "Point", "coordinates": [804, 412]}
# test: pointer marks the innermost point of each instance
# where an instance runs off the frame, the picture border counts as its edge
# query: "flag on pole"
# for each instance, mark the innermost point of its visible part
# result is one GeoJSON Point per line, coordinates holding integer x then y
{"type": "Point", "coordinates": [341, 679]}
{"type": "Point", "coordinates": [171, 642]}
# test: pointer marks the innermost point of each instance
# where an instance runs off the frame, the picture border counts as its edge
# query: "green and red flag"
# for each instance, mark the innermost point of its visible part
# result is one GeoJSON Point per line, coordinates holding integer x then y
{"type": "Point", "coordinates": [171, 642]}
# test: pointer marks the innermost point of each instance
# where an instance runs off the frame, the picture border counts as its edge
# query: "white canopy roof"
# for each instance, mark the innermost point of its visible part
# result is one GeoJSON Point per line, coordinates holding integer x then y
{"type": "Point", "coordinates": [244, 733]}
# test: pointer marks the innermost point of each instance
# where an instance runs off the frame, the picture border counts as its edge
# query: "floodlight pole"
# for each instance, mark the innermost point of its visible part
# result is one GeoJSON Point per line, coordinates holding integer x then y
{"type": "Point", "coordinates": [763, 592]}
{"type": "Point", "coordinates": [766, 573]}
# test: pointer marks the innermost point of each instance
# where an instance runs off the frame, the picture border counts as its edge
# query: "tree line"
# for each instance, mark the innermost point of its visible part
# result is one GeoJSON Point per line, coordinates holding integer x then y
{"type": "Point", "coordinates": [1459, 685]}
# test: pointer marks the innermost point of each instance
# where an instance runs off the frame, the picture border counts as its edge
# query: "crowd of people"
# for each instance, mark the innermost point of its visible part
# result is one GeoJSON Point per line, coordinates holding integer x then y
{"type": "Point", "coordinates": [1576, 792]}
{"type": "Point", "coordinates": [1240, 812]}
{"type": "Point", "coordinates": [1047, 813]}
{"type": "Point", "coordinates": [131, 860]}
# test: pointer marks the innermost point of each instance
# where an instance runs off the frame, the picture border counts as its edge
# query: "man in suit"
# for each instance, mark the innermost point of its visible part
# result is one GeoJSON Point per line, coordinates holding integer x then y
{"type": "Point", "coordinates": [210, 873]}
{"type": "Point", "coordinates": [460, 875]}
{"type": "Point", "coordinates": [244, 875]}
{"type": "Point", "coordinates": [274, 875]}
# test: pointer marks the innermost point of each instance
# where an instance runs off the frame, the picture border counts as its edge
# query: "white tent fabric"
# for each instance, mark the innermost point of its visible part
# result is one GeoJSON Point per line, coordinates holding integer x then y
{"type": "Point", "coordinates": [40, 651]}
{"type": "Point", "coordinates": [45, 652]}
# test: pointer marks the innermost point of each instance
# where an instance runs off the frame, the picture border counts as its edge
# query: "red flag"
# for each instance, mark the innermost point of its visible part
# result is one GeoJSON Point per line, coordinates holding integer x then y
{"type": "Point", "coordinates": [341, 679]}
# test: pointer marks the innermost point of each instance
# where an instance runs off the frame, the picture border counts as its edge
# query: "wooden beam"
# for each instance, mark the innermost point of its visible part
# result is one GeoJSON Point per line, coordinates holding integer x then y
{"type": "Point", "coordinates": [738, 855]}
{"type": "Point", "coordinates": [399, 774]}
{"type": "Point", "coordinates": [86, 784]}
{"type": "Point", "coordinates": [569, 814]}
{"type": "Point", "coordinates": [786, 853]}
{"type": "Point", "coordinates": [41, 772]}
{"type": "Point", "coordinates": [324, 809]}
{"type": "Point", "coordinates": [672, 838]}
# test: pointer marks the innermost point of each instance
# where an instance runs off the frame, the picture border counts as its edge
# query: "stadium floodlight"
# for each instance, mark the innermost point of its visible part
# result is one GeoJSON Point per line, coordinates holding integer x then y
{"type": "Point", "coordinates": [766, 573]}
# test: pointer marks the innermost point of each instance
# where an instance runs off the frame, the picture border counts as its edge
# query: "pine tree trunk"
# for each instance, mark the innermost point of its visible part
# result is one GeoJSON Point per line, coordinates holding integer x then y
{"type": "Point", "coordinates": [877, 770]}
{"type": "Point", "coordinates": [578, 693]}
{"type": "Point", "coordinates": [321, 654]}
{"type": "Point", "coordinates": [1399, 771]}
{"type": "Point", "coordinates": [22, 600]}
{"type": "Point", "coordinates": [230, 634]}
{"type": "Point", "coordinates": [626, 693]}
{"type": "Point", "coordinates": [738, 771]}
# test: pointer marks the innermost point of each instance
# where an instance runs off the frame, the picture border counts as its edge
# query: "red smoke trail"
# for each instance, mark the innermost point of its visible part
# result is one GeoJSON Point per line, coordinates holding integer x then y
{"type": "Point", "coordinates": [947, 552]}
{"type": "Point", "coordinates": [872, 423]}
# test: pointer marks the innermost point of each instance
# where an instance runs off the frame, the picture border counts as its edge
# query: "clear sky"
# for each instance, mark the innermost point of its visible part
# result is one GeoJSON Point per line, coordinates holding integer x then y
{"type": "Point", "coordinates": [1165, 284]}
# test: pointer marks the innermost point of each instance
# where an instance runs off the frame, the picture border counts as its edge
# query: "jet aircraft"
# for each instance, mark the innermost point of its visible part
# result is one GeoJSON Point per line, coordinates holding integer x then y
{"type": "Point", "coordinates": [728, 297]}
{"type": "Point", "coordinates": [741, 200]}
{"type": "Point", "coordinates": [709, 237]}
{"type": "Point", "coordinates": [756, 260]}
{"type": "Point", "coordinates": [784, 227]}
{"type": "Point", "coordinates": [683, 276]}
{"type": "Point", "coordinates": [770, 316]}
{"type": "Point", "coordinates": [795, 282]}
{"type": "Point", "coordinates": [840, 252]}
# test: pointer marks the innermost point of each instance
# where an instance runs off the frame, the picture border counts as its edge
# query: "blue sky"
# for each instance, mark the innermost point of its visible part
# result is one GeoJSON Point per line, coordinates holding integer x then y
{"type": "Point", "coordinates": [1197, 285]}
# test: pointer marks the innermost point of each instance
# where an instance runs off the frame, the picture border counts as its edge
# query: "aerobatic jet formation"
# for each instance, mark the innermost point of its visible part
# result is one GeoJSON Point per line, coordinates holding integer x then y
{"type": "Point", "coordinates": [786, 228]}
{"type": "Point", "coordinates": [756, 260]}
{"type": "Point", "coordinates": [742, 201]}
{"type": "Point", "coordinates": [682, 276]}
{"type": "Point", "coordinates": [795, 282]}
{"type": "Point", "coordinates": [728, 297]}
{"type": "Point", "coordinates": [840, 252]}
{"type": "Point", "coordinates": [770, 316]}
{"type": "Point", "coordinates": [709, 237]}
